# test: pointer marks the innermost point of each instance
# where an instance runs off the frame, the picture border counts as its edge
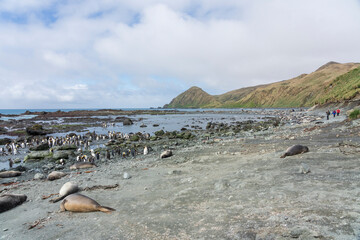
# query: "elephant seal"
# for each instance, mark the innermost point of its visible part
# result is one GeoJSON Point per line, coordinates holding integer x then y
{"type": "Point", "coordinates": [165, 154]}
{"type": "Point", "coordinates": [67, 189]}
{"type": "Point", "coordinates": [55, 175]}
{"type": "Point", "coordinates": [79, 165]}
{"type": "Point", "coordinates": [296, 149]}
{"type": "Point", "coordinates": [9, 201]}
{"type": "Point", "coordinates": [8, 174]}
{"type": "Point", "coordinates": [79, 203]}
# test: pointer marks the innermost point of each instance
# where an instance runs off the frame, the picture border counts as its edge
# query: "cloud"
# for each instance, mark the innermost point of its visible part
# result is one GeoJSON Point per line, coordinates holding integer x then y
{"type": "Point", "coordinates": [143, 53]}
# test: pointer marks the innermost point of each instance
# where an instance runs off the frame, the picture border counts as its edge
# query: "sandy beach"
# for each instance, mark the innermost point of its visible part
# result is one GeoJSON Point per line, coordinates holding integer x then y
{"type": "Point", "coordinates": [218, 188]}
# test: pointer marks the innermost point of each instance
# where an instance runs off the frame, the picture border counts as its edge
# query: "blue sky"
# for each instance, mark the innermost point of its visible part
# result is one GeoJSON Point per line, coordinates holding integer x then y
{"type": "Point", "coordinates": [117, 54]}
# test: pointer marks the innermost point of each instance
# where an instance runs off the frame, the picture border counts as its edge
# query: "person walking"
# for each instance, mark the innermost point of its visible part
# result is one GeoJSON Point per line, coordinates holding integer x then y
{"type": "Point", "coordinates": [327, 114]}
{"type": "Point", "coordinates": [338, 111]}
{"type": "Point", "coordinates": [334, 113]}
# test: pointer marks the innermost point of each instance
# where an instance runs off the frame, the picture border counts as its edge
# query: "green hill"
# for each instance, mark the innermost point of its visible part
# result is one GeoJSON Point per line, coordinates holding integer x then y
{"type": "Point", "coordinates": [332, 82]}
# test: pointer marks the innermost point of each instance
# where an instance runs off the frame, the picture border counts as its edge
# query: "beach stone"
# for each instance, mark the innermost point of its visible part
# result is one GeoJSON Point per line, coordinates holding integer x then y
{"type": "Point", "coordinates": [175, 172]}
{"type": "Point", "coordinates": [221, 185]}
{"type": "Point", "coordinates": [39, 176]}
{"type": "Point", "coordinates": [35, 130]}
{"type": "Point", "coordinates": [17, 160]}
{"type": "Point", "coordinates": [40, 147]}
{"type": "Point", "coordinates": [37, 156]}
{"type": "Point", "coordinates": [4, 141]}
{"type": "Point", "coordinates": [67, 147]}
{"type": "Point", "coordinates": [134, 138]}
{"type": "Point", "coordinates": [126, 175]}
{"type": "Point", "coordinates": [60, 154]}
{"type": "Point", "coordinates": [159, 133]}
{"type": "Point", "coordinates": [127, 121]}
{"type": "Point", "coordinates": [304, 168]}
{"type": "Point", "coordinates": [48, 166]}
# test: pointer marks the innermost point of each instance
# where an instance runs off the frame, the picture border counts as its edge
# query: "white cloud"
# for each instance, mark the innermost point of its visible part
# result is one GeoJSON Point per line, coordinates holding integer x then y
{"type": "Point", "coordinates": [143, 53]}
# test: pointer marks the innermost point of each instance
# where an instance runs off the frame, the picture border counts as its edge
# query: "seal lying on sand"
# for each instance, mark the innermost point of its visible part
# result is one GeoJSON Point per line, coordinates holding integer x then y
{"type": "Point", "coordinates": [79, 165]}
{"type": "Point", "coordinates": [55, 175]}
{"type": "Point", "coordinates": [9, 201]}
{"type": "Point", "coordinates": [8, 174]}
{"type": "Point", "coordinates": [79, 203]}
{"type": "Point", "coordinates": [166, 154]}
{"type": "Point", "coordinates": [67, 189]}
{"type": "Point", "coordinates": [296, 149]}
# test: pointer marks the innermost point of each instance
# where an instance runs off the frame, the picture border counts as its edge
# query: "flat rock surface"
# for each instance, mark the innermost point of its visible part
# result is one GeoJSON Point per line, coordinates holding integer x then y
{"type": "Point", "coordinates": [234, 188]}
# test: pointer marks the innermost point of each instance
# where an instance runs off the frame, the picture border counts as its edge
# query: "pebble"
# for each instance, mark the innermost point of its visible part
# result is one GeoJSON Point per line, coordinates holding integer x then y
{"type": "Point", "coordinates": [126, 175]}
{"type": "Point", "coordinates": [304, 168]}
{"type": "Point", "coordinates": [39, 176]}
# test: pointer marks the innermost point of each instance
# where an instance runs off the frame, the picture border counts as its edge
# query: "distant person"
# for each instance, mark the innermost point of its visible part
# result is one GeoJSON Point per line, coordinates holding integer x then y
{"type": "Point", "coordinates": [334, 113]}
{"type": "Point", "coordinates": [327, 114]}
{"type": "Point", "coordinates": [338, 111]}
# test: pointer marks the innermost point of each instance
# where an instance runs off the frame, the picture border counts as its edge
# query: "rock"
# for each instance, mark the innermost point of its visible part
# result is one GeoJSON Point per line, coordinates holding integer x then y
{"type": "Point", "coordinates": [166, 154]}
{"type": "Point", "coordinates": [60, 154]}
{"type": "Point", "coordinates": [4, 141]}
{"type": "Point", "coordinates": [134, 138]}
{"type": "Point", "coordinates": [48, 166]}
{"type": "Point", "coordinates": [222, 185]}
{"type": "Point", "coordinates": [159, 133]}
{"type": "Point", "coordinates": [175, 172]}
{"type": "Point", "coordinates": [127, 121]}
{"type": "Point", "coordinates": [40, 147]}
{"type": "Point", "coordinates": [304, 168]}
{"type": "Point", "coordinates": [37, 156]}
{"type": "Point", "coordinates": [35, 130]}
{"type": "Point", "coordinates": [17, 160]}
{"type": "Point", "coordinates": [143, 126]}
{"type": "Point", "coordinates": [67, 147]}
{"type": "Point", "coordinates": [126, 175]}
{"type": "Point", "coordinates": [39, 176]}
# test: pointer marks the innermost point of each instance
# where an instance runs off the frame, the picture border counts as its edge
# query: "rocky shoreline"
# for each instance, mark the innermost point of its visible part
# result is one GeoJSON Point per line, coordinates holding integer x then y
{"type": "Point", "coordinates": [223, 182]}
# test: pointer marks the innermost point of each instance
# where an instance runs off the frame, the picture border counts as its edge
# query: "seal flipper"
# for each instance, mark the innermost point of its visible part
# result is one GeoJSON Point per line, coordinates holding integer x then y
{"type": "Point", "coordinates": [105, 209]}
{"type": "Point", "coordinates": [54, 200]}
{"type": "Point", "coordinates": [62, 206]}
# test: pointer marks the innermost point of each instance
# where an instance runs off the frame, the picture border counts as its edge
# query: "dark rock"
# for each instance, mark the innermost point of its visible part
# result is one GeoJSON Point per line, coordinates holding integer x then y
{"type": "Point", "coordinates": [159, 133]}
{"type": "Point", "coordinates": [4, 141]}
{"type": "Point", "coordinates": [127, 121]}
{"type": "Point", "coordinates": [40, 147]}
{"type": "Point", "coordinates": [35, 130]}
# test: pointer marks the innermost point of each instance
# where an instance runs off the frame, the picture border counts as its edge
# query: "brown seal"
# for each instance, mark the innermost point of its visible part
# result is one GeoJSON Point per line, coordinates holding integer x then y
{"type": "Point", "coordinates": [79, 165]}
{"type": "Point", "coordinates": [8, 174]}
{"type": "Point", "coordinates": [55, 175]}
{"type": "Point", "coordinates": [9, 201]}
{"type": "Point", "coordinates": [296, 149]}
{"type": "Point", "coordinates": [67, 189]}
{"type": "Point", "coordinates": [79, 203]}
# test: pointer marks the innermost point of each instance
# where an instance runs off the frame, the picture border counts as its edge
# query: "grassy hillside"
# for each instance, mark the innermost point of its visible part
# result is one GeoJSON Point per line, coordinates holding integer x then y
{"type": "Point", "coordinates": [331, 82]}
{"type": "Point", "coordinates": [194, 97]}
{"type": "Point", "coordinates": [344, 87]}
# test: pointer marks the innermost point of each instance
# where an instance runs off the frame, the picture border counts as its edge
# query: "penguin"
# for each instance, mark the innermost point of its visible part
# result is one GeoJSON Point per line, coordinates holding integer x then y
{"type": "Point", "coordinates": [146, 150]}
{"type": "Point", "coordinates": [108, 154]}
{"type": "Point", "coordinates": [10, 163]}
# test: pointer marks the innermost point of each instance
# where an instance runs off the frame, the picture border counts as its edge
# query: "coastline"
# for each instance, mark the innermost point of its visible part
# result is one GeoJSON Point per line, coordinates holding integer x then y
{"type": "Point", "coordinates": [233, 187]}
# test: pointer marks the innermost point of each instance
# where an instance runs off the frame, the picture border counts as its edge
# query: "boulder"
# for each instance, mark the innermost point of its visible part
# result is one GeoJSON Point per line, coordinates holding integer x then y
{"type": "Point", "coordinates": [35, 130]}
{"type": "Point", "coordinates": [60, 154]}
{"type": "Point", "coordinates": [39, 176]}
{"type": "Point", "coordinates": [67, 147]}
{"type": "Point", "coordinates": [40, 147]}
{"type": "Point", "coordinates": [4, 141]}
{"type": "Point", "coordinates": [37, 156]}
{"type": "Point", "coordinates": [127, 121]}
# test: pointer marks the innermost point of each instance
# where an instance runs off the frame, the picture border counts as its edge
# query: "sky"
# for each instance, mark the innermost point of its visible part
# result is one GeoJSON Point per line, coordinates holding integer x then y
{"type": "Point", "coordinates": [135, 53]}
